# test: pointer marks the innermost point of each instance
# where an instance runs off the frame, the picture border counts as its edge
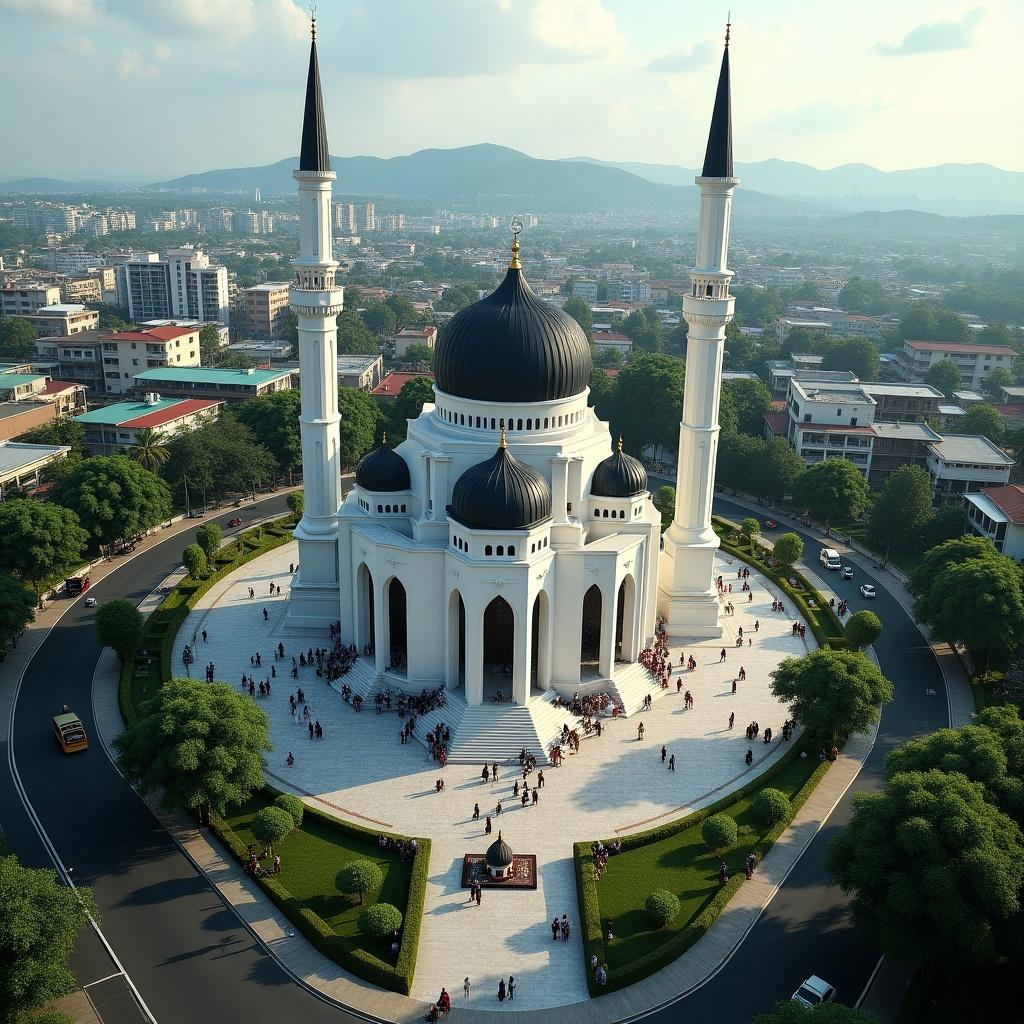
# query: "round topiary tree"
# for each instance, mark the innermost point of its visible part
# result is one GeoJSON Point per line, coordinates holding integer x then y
{"type": "Point", "coordinates": [296, 501]}
{"type": "Point", "coordinates": [293, 805]}
{"type": "Point", "coordinates": [195, 561]}
{"type": "Point", "coordinates": [379, 920]}
{"type": "Point", "coordinates": [719, 831]}
{"type": "Point", "coordinates": [663, 906]}
{"type": "Point", "coordinates": [863, 628]}
{"type": "Point", "coordinates": [771, 806]}
{"type": "Point", "coordinates": [271, 825]}
{"type": "Point", "coordinates": [359, 877]}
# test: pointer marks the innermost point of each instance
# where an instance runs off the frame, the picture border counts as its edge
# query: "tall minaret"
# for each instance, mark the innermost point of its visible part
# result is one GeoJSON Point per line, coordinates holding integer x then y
{"type": "Point", "coordinates": [316, 303]}
{"type": "Point", "coordinates": [687, 596]}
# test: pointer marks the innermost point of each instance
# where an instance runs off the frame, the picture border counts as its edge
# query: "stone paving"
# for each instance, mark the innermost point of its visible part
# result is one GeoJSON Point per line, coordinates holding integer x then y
{"type": "Point", "coordinates": [616, 784]}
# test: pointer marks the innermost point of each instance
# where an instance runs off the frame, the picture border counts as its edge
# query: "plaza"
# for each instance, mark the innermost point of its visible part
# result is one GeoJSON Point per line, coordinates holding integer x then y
{"type": "Point", "coordinates": [615, 785]}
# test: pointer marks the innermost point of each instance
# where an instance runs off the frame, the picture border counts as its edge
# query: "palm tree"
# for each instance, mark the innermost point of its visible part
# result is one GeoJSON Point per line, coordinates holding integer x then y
{"type": "Point", "coordinates": [149, 449]}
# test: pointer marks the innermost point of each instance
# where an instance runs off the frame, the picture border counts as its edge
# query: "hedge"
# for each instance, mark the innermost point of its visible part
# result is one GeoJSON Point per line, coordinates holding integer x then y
{"type": "Point", "coordinates": [589, 903]}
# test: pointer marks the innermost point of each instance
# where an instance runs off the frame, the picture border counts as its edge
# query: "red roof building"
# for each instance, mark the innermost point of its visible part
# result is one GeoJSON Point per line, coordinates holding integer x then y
{"type": "Point", "coordinates": [393, 383]}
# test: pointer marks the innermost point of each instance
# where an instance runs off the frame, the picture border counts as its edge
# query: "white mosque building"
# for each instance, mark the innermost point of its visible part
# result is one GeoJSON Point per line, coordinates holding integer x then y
{"type": "Point", "coordinates": [508, 545]}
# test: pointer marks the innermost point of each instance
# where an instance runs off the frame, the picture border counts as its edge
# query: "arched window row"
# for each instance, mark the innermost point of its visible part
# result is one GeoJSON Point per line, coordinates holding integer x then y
{"type": "Point", "coordinates": [390, 509]}
{"type": "Point", "coordinates": [515, 424]}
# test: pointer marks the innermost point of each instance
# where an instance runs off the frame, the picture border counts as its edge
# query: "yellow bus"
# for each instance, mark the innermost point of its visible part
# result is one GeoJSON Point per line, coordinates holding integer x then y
{"type": "Point", "coordinates": [70, 732]}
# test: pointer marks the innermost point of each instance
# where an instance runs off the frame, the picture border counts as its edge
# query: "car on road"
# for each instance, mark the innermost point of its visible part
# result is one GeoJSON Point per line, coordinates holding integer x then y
{"type": "Point", "coordinates": [235, 522]}
{"type": "Point", "coordinates": [90, 602]}
{"type": "Point", "coordinates": [70, 732]}
{"type": "Point", "coordinates": [770, 524]}
{"type": "Point", "coordinates": [847, 572]}
{"type": "Point", "coordinates": [813, 992]}
{"type": "Point", "coordinates": [867, 590]}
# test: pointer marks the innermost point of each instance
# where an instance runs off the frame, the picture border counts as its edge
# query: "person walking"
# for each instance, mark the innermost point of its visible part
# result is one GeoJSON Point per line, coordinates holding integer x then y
{"type": "Point", "coordinates": [664, 754]}
{"type": "Point", "coordinates": [487, 826]}
{"type": "Point", "coordinates": [501, 991]}
{"type": "Point", "coordinates": [640, 731]}
{"type": "Point", "coordinates": [466, 988]}
{"type": "Point", "coordinates": [672, 763]}
{"type": "Point", "coordinates": [479, 893]}
{"type": "Point", "coordinates": [555, 930]}
{"type": "Point", "coordinates": [511, 987]}
{"type": "Point", "coordinates": [476, 812]}
{"type": "Point", "coordinates": [732, 718]}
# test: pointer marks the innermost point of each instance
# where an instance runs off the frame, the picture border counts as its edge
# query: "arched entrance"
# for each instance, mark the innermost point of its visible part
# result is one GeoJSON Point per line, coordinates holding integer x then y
{"type": "Point", "coordinates": [499, 648]}
{"type": "Point", "coordinates": [397, 629]}
{"type": "Point", "coordinates": [456, 641]}
{"type": "Point", "coordinates": [365, 634]}
{"type": "Point", "coordinates": [540, 654]}
{"type": "Point", "coordinates": [590, 634]}
{"type": "Point", "coordinates": [625, 619]}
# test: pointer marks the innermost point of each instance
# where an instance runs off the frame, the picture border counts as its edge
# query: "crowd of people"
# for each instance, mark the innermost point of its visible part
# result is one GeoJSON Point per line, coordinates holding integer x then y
{"type": "Point", "coordinates": [406, 847]}
{"type": "Point", "coordinates": [601, 852]}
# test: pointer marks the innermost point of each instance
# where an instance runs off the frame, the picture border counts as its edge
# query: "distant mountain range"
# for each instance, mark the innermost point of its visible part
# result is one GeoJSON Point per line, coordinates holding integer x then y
{"type": "Point", "coordinates": [960, 189]}
{"type": "Point", "coordinates": [57, 185]}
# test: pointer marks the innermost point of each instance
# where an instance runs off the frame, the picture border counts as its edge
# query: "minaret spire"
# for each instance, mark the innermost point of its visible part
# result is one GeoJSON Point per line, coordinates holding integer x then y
{"type": "Point", "coordinates": [718, 158]}
{"type": "Point", "coordinates": [313, 153]}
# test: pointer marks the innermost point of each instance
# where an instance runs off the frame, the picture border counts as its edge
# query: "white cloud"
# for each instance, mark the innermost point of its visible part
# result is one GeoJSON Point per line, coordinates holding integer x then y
{"type": "Point", "coordinates": [184, 17]}
{"type": "Point", "coordinates": [161, 51]}
{"type": "Point", "coordinates": [581, 27]}
{"type": "Point", "coordinates": [132, 64]}
{"type": "Point", "coordinates": [61, 10]}
{"type": "Point", "coordinates": [936, 36]}
{"type": "Point", "coordinates": [683, 62]}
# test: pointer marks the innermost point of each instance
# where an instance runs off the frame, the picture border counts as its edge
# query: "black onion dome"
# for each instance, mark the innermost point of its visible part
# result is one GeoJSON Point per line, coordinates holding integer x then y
{"type": "Point", "coordinates": [512, 347]}
{"type": "Point", "coordinates": [499, 854]}
{"type": "Point", "coordinates": [619, 476]}
{"type": "Point", "coordinates": [383, 470]}
{"type": "Point", "coordinates": [501, 494]}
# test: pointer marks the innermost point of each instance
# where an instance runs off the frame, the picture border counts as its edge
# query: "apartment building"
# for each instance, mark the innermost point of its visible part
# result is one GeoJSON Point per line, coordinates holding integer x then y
{"type": "Point", "coordinates": [127, 353]}
{"type": "Point", "coordinates": [184, 285]}
{"type": "Point", "coordinates": [20, 464]}
{"type": "Point", "coordinates": [114, 427]}
{"type": "Point", "coordinates": [998, 514]}
{"type": "Point", "coordinates": [975, 362]}
{"type": "Point", "coordinates": [226, 385]}
{"type": "Point", "coordinates": [362, 372]}
{"type": "Point", "coordinates": [266, 309]}
{"type": "Point", "coordinates": [23, 298]}
{"type": "Point", "coordinates": [833, 423]}
{"type": "Point", "coordinates": [963, 463]}
{"type": "Point", "coordinates": [410, 336]}
{"type": "Point", "coordinates": [63, 319]}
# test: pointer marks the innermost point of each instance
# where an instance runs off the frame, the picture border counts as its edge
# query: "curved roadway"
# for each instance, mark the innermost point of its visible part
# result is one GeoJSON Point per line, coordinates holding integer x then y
{"type": "Point", "coordinates": [193, 960]}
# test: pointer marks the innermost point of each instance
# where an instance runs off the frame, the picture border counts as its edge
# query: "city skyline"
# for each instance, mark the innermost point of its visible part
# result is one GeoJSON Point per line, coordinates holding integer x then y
{"type": "Point", "coordinates": [553, 78]}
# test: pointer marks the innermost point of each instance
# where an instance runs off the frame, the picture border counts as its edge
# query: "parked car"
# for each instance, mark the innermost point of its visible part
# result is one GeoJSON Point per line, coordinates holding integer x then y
{"type": "Point", "coordinates": [813, 992]}
{"type": "Point", "coordinates": [867, 590]}
{"type": "Point", "coordinates": [235, 522]}
{"type": "Point", "coordinates": [847, 572]}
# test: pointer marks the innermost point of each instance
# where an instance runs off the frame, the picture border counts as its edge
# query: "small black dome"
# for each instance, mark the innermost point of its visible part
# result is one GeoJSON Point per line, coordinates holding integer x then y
{"type": "Point", "coordinates": [501, 494]}
{"type": "Point", "coordinates": [382, 470]}
{"type": "Point", "coordinates": [619, 476]}
{"type": "Point", "coordinates": [512, 347]}
{"type": "Point", "coordinates": [499, 854]}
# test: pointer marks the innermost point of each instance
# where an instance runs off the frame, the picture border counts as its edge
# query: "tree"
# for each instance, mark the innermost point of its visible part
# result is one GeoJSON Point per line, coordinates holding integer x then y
{"type": "Point", "coordinates": [937, 559]}
{"type": "Point", "coordinates": [902, 510]}
{"type": "Point", "coordinates": [663, 906]}
{"type": "Point", "coordinates": [788, 1012]}
{"type": "Point", "coordinates": [648, 397]}
{"type": "Point", "coordinates": [863, 629]}
{"type": "Point", "coordinates": [924, 321]}
{"type": "Point", "coordinates": [645, 328]}
{"type": "Point", "coordinates": [274, 420]}
{"type": "Point", "coordinates": [354, 338]}
{"type": "Point", "coordinates": [209, 345]}
{"type": "Point", "coordinates": [360, 423]}
{"type": "Point", "coordinates": [719, 831]}
{"type": "Point", "coordinates": [737, 457]}
{"type": "Point", "coordinates": [119, 626]}
{"type": "Point", "coordinates": [832, 692]}
{"type": "Point", "coordinates": [65, 430]}
{"type": "Point", "coordinates": [17, 339]}
{"type": "Point", "coordinates": [149, 450]}
{"type": "Point", "coordinates": [378, 318]}
{"type": "Point", "coordinates": [666, 500]}
{"type": "Point", "coordinates": [194, 558]}
{"type": "Point", "coordinates": [456, 297]}
{"type": "Point", "coordinates": [833, 490]}
{"type": "Point", "coordinates": [359, 877]}
{"type": "Point", "coordinates": [928, 833]}
{"type": "Point", "coordinates": [296, 502]}
{"type": "Point", "coordinates": [751, 399]}
{"type": "Point", "coordinates": [114, 498]}
{"type": "Point", "coordinates": [39, 540]}
{"type": "Point", "coordinates": [208, 537]}
{"type": "Point", "coordinates": [859, 355]}
{"type": "Point", "coordinates": [420, 356]}
{"type": "Point", "coordinates": [580, 312]}
{"type": "Point", "coordinates": [606, 358]}
{"type": "Point", "coordinates": [17, 608]}
{"type": "Point", "coordinates": [405, 312]}
{"type": "Point", "coordinates": [945, 376]}
{"type": "Point", "coordinates": [945, 524]}
{"type": "Point", "coordinates": [983, 419]}
{"type": "Point", "coordinates": [293, 805]}
{"type": "Point", "coordinates": [380, 920]}
{"type": "Point", "coordinates": [39, 924]}
{"type": "Point", "coordinates": [750, 529]}
{"type": "Point", "coordinates": [997, 379]}
{"type": "Point", "coordinates": [770, 806]}
{"type": "Point", "coordinates": [203, 744]}
{"type": "Point", "coordinates": [270, 825]}
{"type": "Point", "coordinates": [776, 472]}
{"type": "Point", "coordinates": [864, 296]}
{"type": "Point", "coordinates": [788, 549]}
{"type": "Point", "coordinates": [408, 405]}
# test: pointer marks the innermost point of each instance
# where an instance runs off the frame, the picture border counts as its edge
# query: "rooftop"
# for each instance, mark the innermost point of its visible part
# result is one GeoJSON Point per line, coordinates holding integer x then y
{"type": "Point", "coordinates": [142, 414]}
{"type": "Point", "coordinates": [268, 286]}
{"type": "Point", "coordinates": [778, 421]}
{"type": "Point", "coordinates": [951, 410]}
{"type": "Point", "coordinates": [810, 391]}
{"type": "Point", "coordinates": [15, 455]}
{"type": "Point", "coordinates": [969, 396]}
{"type": "Point", "coordinates": [18, 380]}
{"type": "Point", "coordinates": [969, 448]}
{"type": "Point", "coordinates": [57, 387]}
{"type": "Point", "coordinates": [959, 346]}
{"type": "Point", "coordinates": [906, 432]}
{"type": "Point", "coordinates": [150, 334]}
{"type": "Point", "coordinates": [394, 382]}
{"type": "Point", "coordinates": [354, 364]}
{"type": "Point", "coordinates": [60, 309]}
{"type": "Point", "coordinates": [1009, 500]}
{"type": "Point", "coordinates": [887, 388]}
{"type": "Point", "coordinates": [210, 375]}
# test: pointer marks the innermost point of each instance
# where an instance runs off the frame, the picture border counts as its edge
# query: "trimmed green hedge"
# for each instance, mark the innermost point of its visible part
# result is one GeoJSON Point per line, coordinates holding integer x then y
{"type": "Point", "coordinates": [589, 902]}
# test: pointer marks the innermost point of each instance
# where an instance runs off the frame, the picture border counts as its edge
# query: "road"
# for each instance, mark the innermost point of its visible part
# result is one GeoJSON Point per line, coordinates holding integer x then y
{"type": "Point", "coordinates": [193, 960]}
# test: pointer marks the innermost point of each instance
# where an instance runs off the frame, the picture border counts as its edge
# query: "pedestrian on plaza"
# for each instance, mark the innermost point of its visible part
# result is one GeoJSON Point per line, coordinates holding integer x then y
{"type": "Point", "coordinates": [204, 636]}
{"type": "Point", "coordinates": [476, 812]}
{"type": "Point", "coordinates": [290, 759]}
{"type": "Point", "coordinates": [732, 718]}
{"type": "Point", "coordinates": [536, 796]}
{"type": "Point", "coordinates": [479, 893]}
{"type": "Point", "coordinates": [734, 686]}
{"type": "Point", "coordinates": [310, 724]}
{"type": "Point", "coordinates": [672, 763]}
{"type": "Point", "coordinates": [485, 774]}
{"type": "Point", "coordinates": [266, 615]}
{"type": "Point", "coordinates": [664, 754]}
{"type": "Point", "coordinates": [466, 987]}
{"type": "Point", "coordinates": [566, 928]}
{"type": "Point", "coordinates": [511, 987]}
{"type": "Point", "coordinates": [487, 826]}
{"type": "Point", "coordinates": [750, 756]}
{"type": "Point", "coordinates": [555, 930]}
{"type": "Point", "coordinates": [640, 731]}
{"type": "Point", "coordinates": [721, 656]}
{"type": "Point", "coordinates": [497, 810]}
{"type": "Point", "coordinates": [501, 991]}
{"type": "Point", "coordinates": [540, 780]}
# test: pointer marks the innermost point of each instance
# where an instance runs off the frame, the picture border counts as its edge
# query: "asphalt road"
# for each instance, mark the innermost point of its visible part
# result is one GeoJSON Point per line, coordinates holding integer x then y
{"type": "Point", "coordinates": [192, 959]}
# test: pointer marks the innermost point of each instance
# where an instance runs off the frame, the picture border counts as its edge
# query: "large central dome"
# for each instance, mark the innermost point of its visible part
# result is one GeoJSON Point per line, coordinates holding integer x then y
{"type": "Point", "coordinates": [512, 347]}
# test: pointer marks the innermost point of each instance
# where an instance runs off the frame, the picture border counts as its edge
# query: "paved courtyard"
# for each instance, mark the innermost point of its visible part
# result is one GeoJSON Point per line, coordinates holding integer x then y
{"type": "Point", "coordinates": [615, 785]}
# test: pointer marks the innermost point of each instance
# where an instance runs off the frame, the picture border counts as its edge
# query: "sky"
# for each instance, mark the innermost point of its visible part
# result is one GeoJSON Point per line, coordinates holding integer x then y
{"type": "Point", "coordinates": [152, 89]}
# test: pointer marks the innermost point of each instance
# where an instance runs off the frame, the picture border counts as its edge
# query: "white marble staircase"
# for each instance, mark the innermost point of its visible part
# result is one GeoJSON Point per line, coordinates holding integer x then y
{"type": "Point", "coordinates": [632, 683]}
{"type": "Point", "coordinates": [362, 678]}
{"type": "Point", "coordinates": [450, 716]}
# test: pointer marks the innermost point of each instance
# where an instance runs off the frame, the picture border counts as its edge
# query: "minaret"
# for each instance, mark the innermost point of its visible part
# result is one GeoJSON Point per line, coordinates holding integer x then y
{"type": "Point", "coordinates": [316, 303]}
{"type": "Point", "coordinates": [688, 598]}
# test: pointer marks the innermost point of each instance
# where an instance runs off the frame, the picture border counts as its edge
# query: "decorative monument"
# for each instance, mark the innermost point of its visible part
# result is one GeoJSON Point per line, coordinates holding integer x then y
{"type": "Point", "coordinates": [498, 859]}
{"type": "Point", "coordinates": [499, 868]}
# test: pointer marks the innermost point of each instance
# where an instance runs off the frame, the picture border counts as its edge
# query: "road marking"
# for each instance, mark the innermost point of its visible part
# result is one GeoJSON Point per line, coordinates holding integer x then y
{"type": "Point", "coordinates": [871, 981]}
{"type": "Point", "coordinates": [99, 981]}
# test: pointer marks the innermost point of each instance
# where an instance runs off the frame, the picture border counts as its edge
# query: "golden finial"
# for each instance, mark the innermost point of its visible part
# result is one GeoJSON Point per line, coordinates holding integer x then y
{"type": "Point", "coordinates": [728, 26]}
{"type": "Point", "coordinates": [618, 446]}
{"type": "Point", "coordinates": [517, 226]}
{"type": "Point", "coordinates": [384, 438]}
{"type": "Point", "coordinates": [312, 21]}
{"type": "Point", "coordinates": [501, 442]}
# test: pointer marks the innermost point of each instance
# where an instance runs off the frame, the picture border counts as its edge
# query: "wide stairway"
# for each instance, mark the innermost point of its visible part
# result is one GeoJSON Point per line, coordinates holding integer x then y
{"type": "Point", "coordinates": [632, 683]}
{"type": "Point", "coordinates": [361, 677]}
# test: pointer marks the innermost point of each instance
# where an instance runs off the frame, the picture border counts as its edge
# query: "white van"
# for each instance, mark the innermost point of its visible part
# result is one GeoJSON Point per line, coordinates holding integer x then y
{"type": "Point", "coordinates": [829, 558]}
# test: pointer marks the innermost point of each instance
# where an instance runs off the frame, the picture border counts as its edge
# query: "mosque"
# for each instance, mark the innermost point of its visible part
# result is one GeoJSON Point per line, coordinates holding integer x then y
{"type": "Point", "coordinates": [508, 547]}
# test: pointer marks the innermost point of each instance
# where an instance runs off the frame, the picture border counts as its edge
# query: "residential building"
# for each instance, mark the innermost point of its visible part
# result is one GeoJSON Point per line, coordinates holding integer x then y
{"type": "Point", "coordinates": [16, 368]}
{"type": "Point", "coordinates": [266, 309]}
{"type": "Point", "coordinates": [263, 350]}
{"type": "Point", "coordinates": [831, 424]}
{"type": "Point", "coordinates": [784, 324]}
{"type": "Point", "coordinates": [63, 319]}
{"type": "Point", "coordinates": [409, 336]}
{"type": "Point", "coordinates": [114, 427]}
{"type": "Point", "coordinates": [345, 218]}
{"type": "Point", "coordinates": [130, 352]}
{"type": "Point", "coordinates": [965, 399]}
{"type": "Point", "coordinates": [67, 397]}
{"type": "Point", "coordinates": [998, 514]}
{"type": "Point", "coordinates": [183, 285]}
{"type": "Point", "coordinates": [18, 387]}
{"type": "Point", "coordinates": [606, 340]}
{"type": "Point", "coordinates": [212, 382]}
{"type": "Point", "coordinates": [18, 417]}
{"type": "Point", "coordinates": [895, 403]}
{"type": "Point", "coordinates": [975, 362]}
{"type": "Point", "coordinates": [362, 372]}
{"type": "Point", "coordinates": [78, 359]}
{"type": "Point", "coordinates": [585, 290]}
{"type": "Point", "coordinates": [146, 288]}
{"type": "Point", "coordinates": [630, 291]}
{"type": "Point", "coordinates": [245, 222]}
{"type": "Point", "coordinates": [393, 383]}
{"type": "Point", "coordinates": [369, 217]}
{"type": "Point", "coordinates": [782, 371]}
{"type": "Point", "coordinates": [897, 445]}
{"type": "Point", "coordinates": [962, 463]}
{"type": "Point", "coordinates": [23, 298]}
{"type": "Point", "coordinates": [21, 463]}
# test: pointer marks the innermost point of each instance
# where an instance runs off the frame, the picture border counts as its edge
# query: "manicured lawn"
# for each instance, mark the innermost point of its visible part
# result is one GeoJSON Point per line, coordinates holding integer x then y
{"type": "Point", "coordinates": [310, 860]}
{"type": "Point", "coordinates": [683, 865]}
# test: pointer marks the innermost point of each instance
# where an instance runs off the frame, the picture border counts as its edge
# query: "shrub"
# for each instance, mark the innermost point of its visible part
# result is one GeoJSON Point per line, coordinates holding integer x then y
{"type": "Point", "coordinates": [195, 561]}
{"type": "Point", "coordinates": [119, 626]}
{"type": "Point", "coordinates": [208, 538]}
{"type": "Point", "coordinates": [293, 805]}
{"type": "Point", "coordinates": [719, 831]}
{"type": "Point", "coordinates": [663, 906]}
{"type": "Point", "coordinates": [379, 920]}
{"type": "Point", "coordinates": [771, 806]}
{"type": "Point", "coordinates": [271, 824]}
{"type": "Point", "coordinates": [296, 501]}
{"type": "Point", "coordinates": [358, 878]}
